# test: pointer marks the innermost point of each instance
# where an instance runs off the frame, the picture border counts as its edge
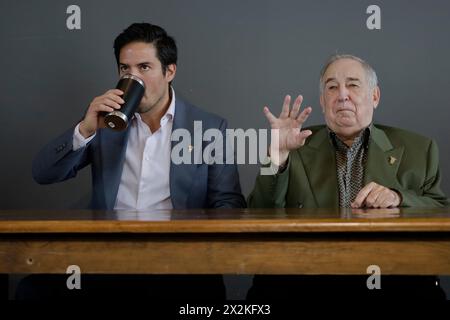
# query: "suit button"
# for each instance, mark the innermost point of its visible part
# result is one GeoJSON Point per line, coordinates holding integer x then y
{"type": "Point", "coordinates": [299, 204]}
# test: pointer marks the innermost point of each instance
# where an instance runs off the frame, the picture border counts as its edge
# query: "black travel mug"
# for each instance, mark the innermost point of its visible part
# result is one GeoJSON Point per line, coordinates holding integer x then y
{"type": "Point", "coordinates": [133, 90]}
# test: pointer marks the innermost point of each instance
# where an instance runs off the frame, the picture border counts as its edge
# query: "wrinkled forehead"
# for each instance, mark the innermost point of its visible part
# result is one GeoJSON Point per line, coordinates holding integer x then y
{"type": "Point", "coordinates": [344, 69]}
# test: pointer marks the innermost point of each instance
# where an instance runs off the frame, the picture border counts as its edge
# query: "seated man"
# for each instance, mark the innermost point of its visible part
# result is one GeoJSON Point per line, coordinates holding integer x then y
{"type": "Point", "coordinates": [132, 169]}
{"type": "Point", "coordinates": [349, 162]}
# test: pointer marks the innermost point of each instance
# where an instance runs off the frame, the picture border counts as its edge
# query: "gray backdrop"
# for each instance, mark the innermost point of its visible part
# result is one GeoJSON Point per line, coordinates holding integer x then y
{"type": "Point", "coordinates": [234, 58]}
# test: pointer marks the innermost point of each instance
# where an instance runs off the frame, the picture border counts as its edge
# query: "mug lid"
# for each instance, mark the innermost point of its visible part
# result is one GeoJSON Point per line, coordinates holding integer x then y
{"type": "Point", "coordinates": [131, 76]}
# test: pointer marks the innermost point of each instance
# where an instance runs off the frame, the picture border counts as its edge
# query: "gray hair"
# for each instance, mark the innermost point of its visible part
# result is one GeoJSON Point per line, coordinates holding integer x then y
{"type": "Point", "coordinates": [371, 75]}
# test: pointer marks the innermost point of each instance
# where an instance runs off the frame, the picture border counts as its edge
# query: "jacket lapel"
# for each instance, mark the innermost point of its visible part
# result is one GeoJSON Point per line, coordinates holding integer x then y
{"type": "Point", "coordinates": [320, 166]}
{"type": "Point", "coordinates": [182, 175]}
{"type": "Point", "coordinates": [383, 160]}
{"type": "Point", "coordinates": [113, 148]}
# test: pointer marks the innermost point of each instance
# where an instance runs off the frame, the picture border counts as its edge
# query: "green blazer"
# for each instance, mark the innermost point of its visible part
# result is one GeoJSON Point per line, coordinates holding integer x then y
{"type": "Point", "coordinates": [310, 179]}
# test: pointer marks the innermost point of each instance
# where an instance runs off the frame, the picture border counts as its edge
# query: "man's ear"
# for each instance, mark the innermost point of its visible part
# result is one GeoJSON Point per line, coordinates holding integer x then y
{"type": "Point", "coordinates": [376, 95]}
{"type": "Point", "coordinates": [170, 72]}
{"type": "Point", "coordinates": [322, 103]}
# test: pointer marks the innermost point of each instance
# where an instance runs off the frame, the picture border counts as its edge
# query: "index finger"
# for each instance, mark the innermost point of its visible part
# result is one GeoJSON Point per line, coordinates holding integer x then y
{"type": "Point", "coordinates": [115, 91]}
{"type": "Point", "coordinates": [362, 195]}
{"type": "Point", "coordinates": [303, 116]}
{"type": "Point", "coordinates": [115, 95]}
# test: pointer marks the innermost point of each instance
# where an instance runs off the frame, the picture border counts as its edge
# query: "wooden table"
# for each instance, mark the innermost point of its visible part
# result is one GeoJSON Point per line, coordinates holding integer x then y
{"type": "Point", "coordinates": [250, 241]}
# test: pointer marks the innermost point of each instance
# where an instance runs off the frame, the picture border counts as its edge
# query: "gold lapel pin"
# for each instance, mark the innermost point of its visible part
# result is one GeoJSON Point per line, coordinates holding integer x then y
{"type": "Point", "coordinates": [190, 148]}
{"type": "Point", "coordinates": [392, 160]}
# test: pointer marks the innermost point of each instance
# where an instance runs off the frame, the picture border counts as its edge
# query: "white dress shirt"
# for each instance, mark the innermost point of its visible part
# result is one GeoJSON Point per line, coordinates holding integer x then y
{"type": "Point", "coordinates": [145, 180]}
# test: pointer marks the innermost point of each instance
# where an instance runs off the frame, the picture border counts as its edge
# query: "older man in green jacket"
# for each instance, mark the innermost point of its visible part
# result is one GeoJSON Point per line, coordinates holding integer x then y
{"type": "Point", "coordinates": [350, 162]}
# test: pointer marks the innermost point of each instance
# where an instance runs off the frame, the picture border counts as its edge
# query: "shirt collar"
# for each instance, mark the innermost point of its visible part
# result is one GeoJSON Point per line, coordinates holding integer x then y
{"type": "Point", "coordinates": [171, 110]}
{"type": "Point", "coordinates": [364, 135]}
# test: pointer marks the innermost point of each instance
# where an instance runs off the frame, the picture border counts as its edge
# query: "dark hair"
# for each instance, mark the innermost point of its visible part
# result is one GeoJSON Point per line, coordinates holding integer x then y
{"type": "Point", "coordinates": [166, 49]}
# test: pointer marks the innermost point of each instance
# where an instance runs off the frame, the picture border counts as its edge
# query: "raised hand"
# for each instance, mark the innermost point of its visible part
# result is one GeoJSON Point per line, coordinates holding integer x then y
{"type": "Point", "coordinates": [111, 100]}
{"type": "Point", "coordinates": [289, 127]}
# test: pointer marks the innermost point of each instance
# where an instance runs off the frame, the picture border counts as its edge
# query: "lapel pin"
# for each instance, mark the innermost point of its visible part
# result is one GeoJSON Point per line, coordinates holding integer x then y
{"type": "Point", "coordinates": [190, 148]}
{"type": "Point", "coordinates": [392, 160]}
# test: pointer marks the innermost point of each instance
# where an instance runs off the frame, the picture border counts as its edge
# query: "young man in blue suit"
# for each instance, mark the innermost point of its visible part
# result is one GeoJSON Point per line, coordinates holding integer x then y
{"type": "Point", "coordinates": [132, 169]}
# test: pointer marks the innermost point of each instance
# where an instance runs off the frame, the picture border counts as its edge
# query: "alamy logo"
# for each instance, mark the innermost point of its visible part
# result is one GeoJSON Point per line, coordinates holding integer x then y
{"type": "Point", "coordinates": [73, 21]}
{"type": "Point", "coordinates": [74, 280]}
{"type": "Point", "coordinates": [374, 20]}
{"type": "Point", "coordinates": [231, 146]}
{"type": "Point", "coordinates": [374, 280]}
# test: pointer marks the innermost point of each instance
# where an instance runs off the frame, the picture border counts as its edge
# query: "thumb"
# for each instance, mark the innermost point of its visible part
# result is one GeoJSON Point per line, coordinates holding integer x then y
{"type": "Point", "coordinates": [305, 134]}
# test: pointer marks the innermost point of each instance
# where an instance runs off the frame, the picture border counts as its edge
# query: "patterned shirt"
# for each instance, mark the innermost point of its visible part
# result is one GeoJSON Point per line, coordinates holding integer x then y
{"type": "Point", "coordinates": [350, 164]}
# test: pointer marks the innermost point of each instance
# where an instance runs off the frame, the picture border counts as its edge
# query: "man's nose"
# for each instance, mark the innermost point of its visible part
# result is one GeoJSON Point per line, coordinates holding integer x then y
{"type": "Point", "coordinates": [134, 73]}
{"type": "Point", "coordinates": [343, 93]}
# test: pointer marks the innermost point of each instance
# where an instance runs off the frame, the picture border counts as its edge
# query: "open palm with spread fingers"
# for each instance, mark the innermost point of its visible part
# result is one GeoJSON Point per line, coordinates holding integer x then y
{"type": "Point", "coordinates": [289, 135]}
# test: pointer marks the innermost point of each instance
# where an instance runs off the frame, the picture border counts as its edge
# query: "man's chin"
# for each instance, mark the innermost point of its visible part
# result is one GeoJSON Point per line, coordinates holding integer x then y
{"type": "Point", "coordinates": [347, 129]}
{"type": "Point", "coordinates": [347, 123]}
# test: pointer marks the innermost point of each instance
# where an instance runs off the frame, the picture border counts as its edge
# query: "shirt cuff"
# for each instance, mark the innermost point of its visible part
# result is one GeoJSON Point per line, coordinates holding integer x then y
{"type": "Point", "coordinates": [78, 140]}
{"type": "Point", "coordinates": [273, 169]}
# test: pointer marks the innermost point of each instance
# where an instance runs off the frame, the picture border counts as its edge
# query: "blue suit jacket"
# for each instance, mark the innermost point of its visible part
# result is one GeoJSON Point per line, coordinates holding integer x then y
{"type": "Point", "coordinates": [191, 185]}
